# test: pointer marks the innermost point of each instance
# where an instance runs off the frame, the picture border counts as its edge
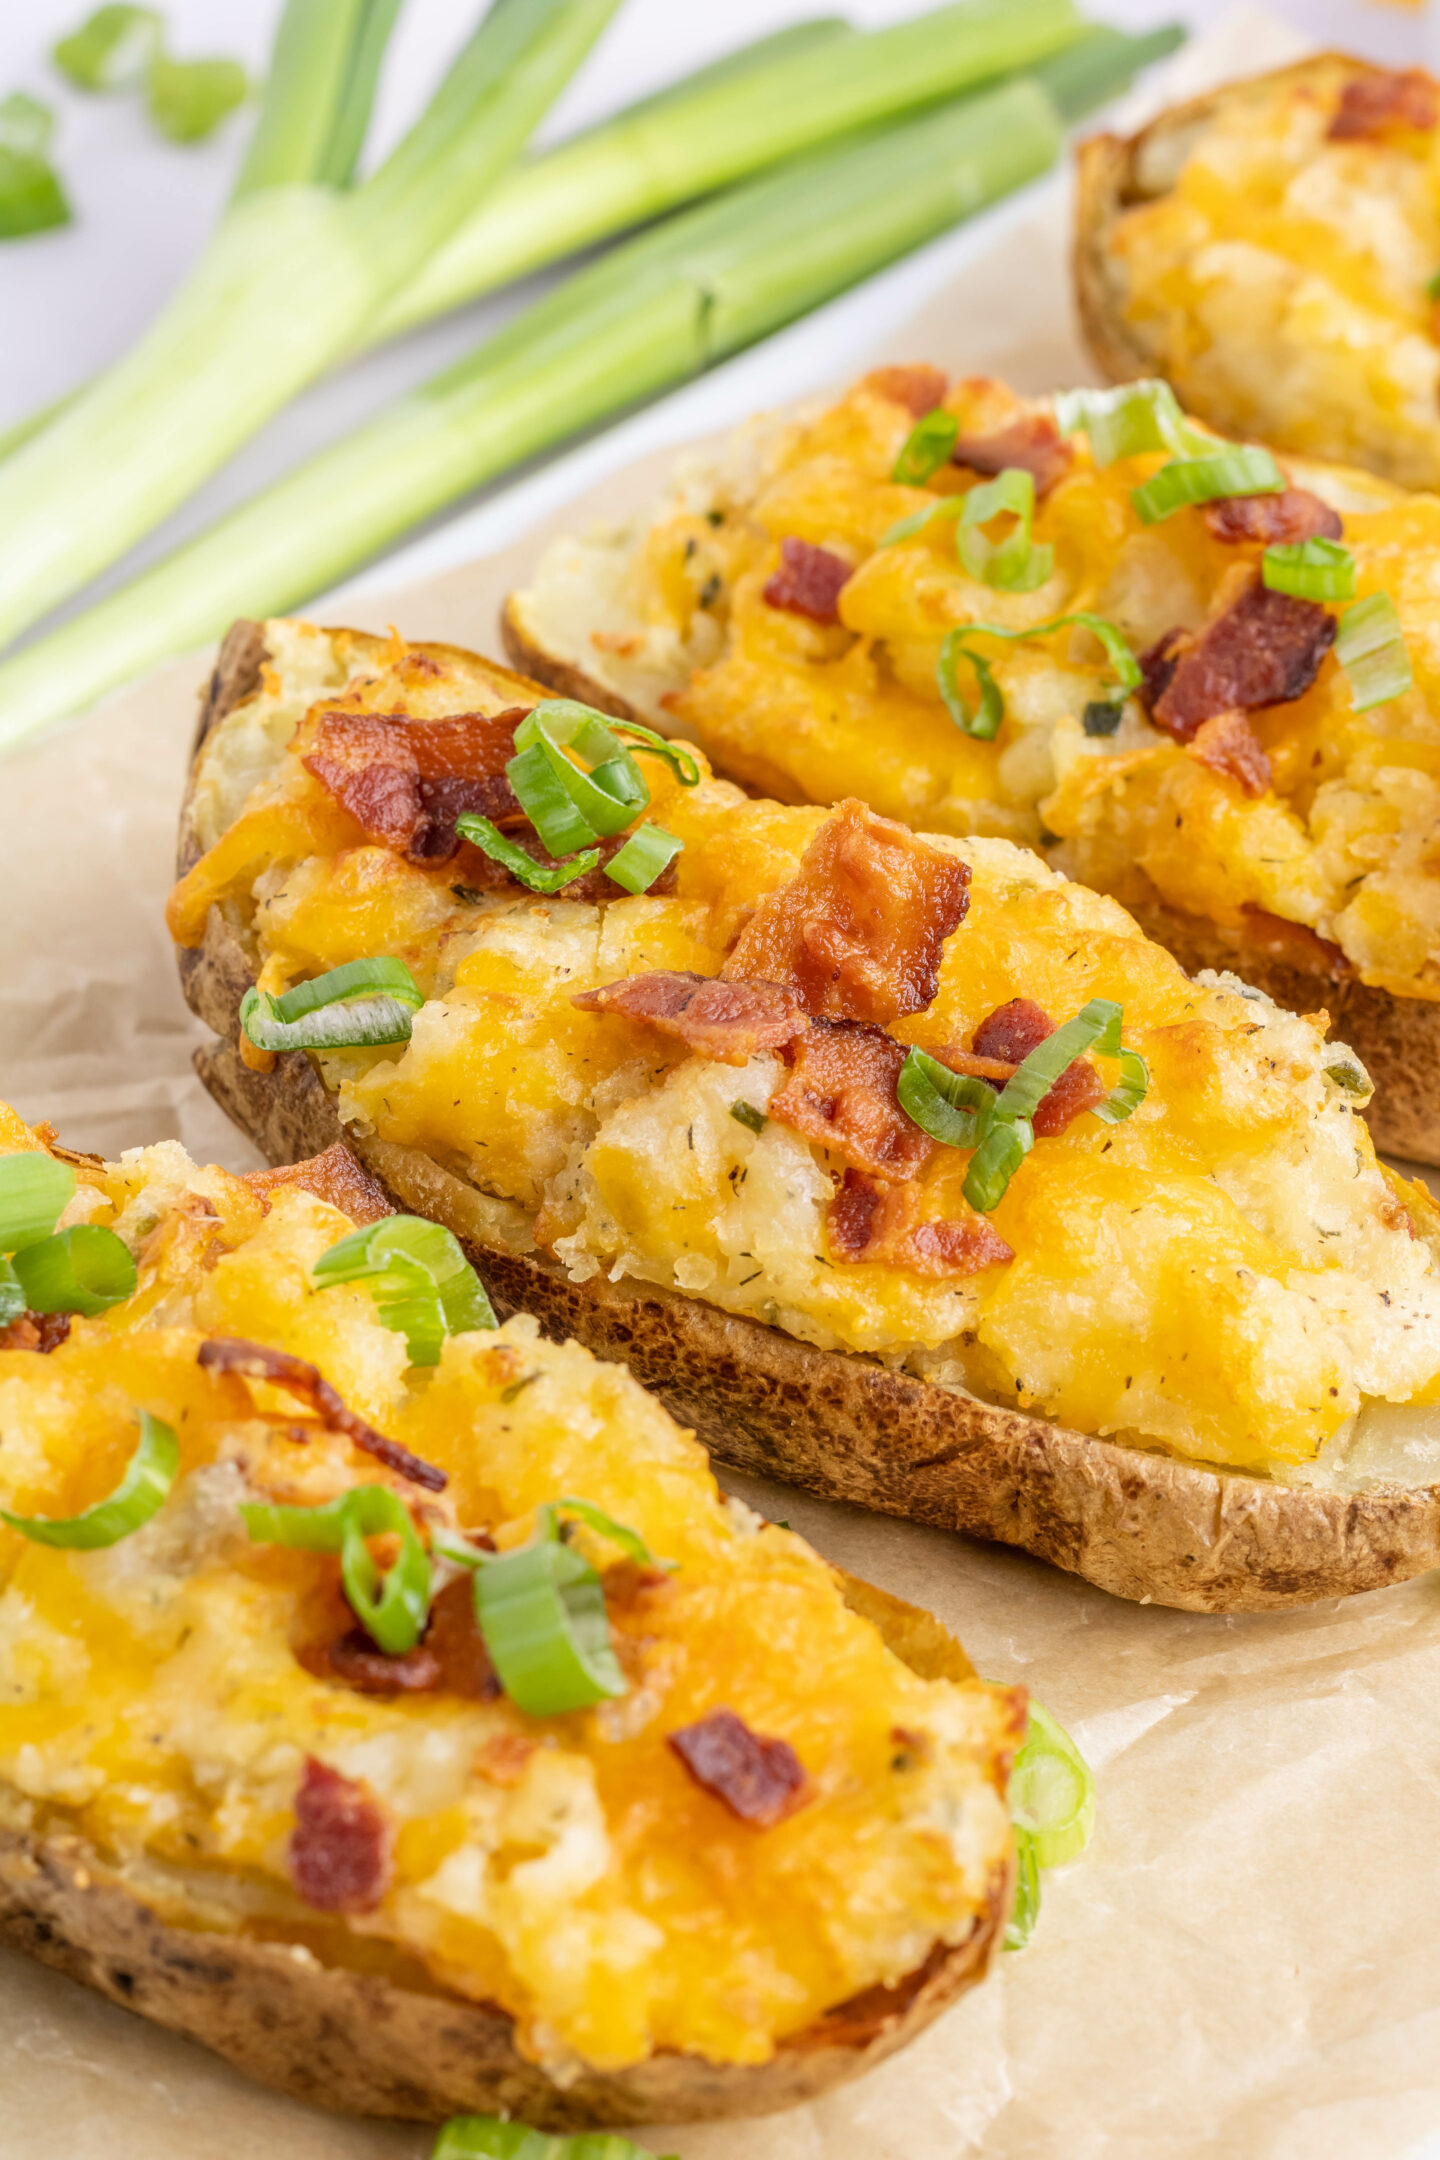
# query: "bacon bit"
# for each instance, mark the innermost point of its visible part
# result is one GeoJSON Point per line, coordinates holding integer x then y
{"type": "Point", "coordinates": [356, 1662]}
{"type": "Point", "coordinates": [1229, 746]}
{"type": "Point", "coordinates": [340, 1849]}
{"type": "Point", "coordinates": [761, 1781]}
{"type": "Point", "coordinates": [502, 1759]}
{"type": "Point", "coordinates": [334, 1177]}
{"type": "Point", "coordinates": [256, 1361]}
{"type": "Point", "coordinates": [1295, 944]}
{"type": "Point", "coordinates": [1033, 443]}
{"type": "Point", "coordinates": [629, 1580]}
{"type": "Point", "coordinates": [454, 1640]}
{"type": "Point", "coordinates": [1013, 1031]}
{"type": "Point", "coordinates": [1372, 105]}
{"type": "Point", "coordinates": [406, 781]}
{"type": "Point", "coordinates": [870, 1219]}
{"type": "Point", "coordinates": [920, 388]}
{"type": "Point", "coordinates": [842, 1093]}
{"type": "Point", "coordinates": [860, 930]}
{"type": "Point", "coordinates": [727, 1021]}
{"type": "Point", "coordinates": [36, 1331]}
{"type": "Point", "coordinates": [1158, 665]}
{"type": "Point", "coordinates": [809, 581]}
{"type": "Point", "coordinates": [1294, 514]}
{"type": "Point", "coordinates": [1265, 649]}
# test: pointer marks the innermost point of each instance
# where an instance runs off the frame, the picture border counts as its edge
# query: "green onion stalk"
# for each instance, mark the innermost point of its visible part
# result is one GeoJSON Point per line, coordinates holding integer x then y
{"type": "Point", "coordinates": [291, 278]}
{"type": "Point", "coordinates": [652, 314]}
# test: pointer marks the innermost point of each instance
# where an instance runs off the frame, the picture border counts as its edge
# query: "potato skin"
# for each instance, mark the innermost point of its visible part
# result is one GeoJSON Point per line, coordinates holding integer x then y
{"type": "Point", "coordinates": [1139, 1525]}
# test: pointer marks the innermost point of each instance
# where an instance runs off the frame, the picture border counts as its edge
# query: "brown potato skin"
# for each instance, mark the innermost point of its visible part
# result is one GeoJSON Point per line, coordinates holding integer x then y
{"type": "Point", "coordinates": [1139, 1525]}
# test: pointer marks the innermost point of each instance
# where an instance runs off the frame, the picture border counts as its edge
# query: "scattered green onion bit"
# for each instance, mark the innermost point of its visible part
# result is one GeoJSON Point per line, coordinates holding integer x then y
{"type": "Point", "coordinates": [141, 1493]}
{"type": "Point", "coordinates": [1309, 569]}
{"type": "Point", "coordinates": [571, 808]}
{"type": "Point", "coordinates": [1220, 473]}
{"type": "Point", "coordinates": [984, 722]}
{"type": "Point", "coordinates": [1136, 419]}
{"type": "Point", "coordinates": [85, 1269]}
{"type": "Point", "coordinates": [35, 1190]}
{"type": "Point", "coordinates": [12, 1297]}
{"type": "Point", "coordinates": [1351, 1080]}
{"type": "Point", "coordinates": [362, 1003]}
{"type": "Point", "coordinates": [188, 99]}
{"type": "Point", "coordinates": [486, 2137]}
{"type": "Point", "coordinates": [960, 1110]}
{"type": "Point", "coordinates": [391, 1605]}
{"type": "Point", "coordinates": [114, 49]}
{"type": "Point", "coordinates": [31, 197]}
{"type": "Point", "coordinates": [422, 1284]}
{"type": "Point", "coordinates": [1052, 1805]}
{"type": "Point", "coordinates": [1016, 563]}
{"type": "Point", "coordinates": [536, 877]}
{"type": "Point", "coordinates": [936, 513]}
{"type": "Point", "coordinates": [929, 445]}
{"type": "Point", "coordinates": [1371, 649]}
{"type": "Point", "coordinates": [1026, 1909]}
{"type": "Point", "coordinates": [648, 852]}
{"type": "Point", "coordinates": [26, 125]}
{"type": "Point", "coordinates": [746, 1114]}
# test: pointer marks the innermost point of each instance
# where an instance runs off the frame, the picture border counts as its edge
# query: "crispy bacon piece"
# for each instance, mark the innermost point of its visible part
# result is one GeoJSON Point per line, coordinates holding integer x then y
{"type": "Point", "coordinates": [1229, 746]}
{"type": "Point", "coordinates": [1372, 105]}
{"type": "Point", "coordinates": [340, 1847]}
{"type": "Point", "coordinates": [841, 1092]}
{"type": "Point", "coordinates": [1033, 442]}
{"type": "Point", "coordinates": [256, 1361]}
{"type": "Point", "coordinates": [1294, 514]}
{"type": "Point", "coordinates": [335, 1177]}
{"type": "Point", "coordinates": [1265, 649]}
{"type": "Point", "coordinates": [1011, 1032]}
{"type": "Point", "coordinates": [451, 1659]}
{"type": "Point", "coordinates": [761, 1781]}
{"type": "Point", "coordinates": [871, 1219]}
{"type": "Point", "coordinates": [42, 1331]}
{"type": "Point", "coordinates": [921, 387]}
{"type": "Point", "coordinates": [860, 930]}
{"type": "Point", "coordinates": [406, 781]}
{"type": "Point", "coordinates": [809, 581]}
{"type": "Point", "coordinates": [727, 1021]}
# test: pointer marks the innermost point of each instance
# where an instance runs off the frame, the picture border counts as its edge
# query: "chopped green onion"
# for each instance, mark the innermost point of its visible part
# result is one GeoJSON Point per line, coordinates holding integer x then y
{"type": "Point", "coordinates": [31, 197]}
{"type": "Point", "coordinates": [984, 724]}
{"type": "Point", "coordinates": [936, 513]}
{"type": "Point", "coordinates": [539, 877]}
{"type": "Point", "coordinates": [1136, 419]}
{"type": "Point", "coordinates": [746, 1114]}
{"type": "Point", "coordinates": [541, 1609]}
{"type": "Point", "coordinates": [12, 1297]}
{"type": "Point", "coordinates": [945, 1104]}
{"type": "Point", "coordinates": [362, 1003]}
{"type": "Point", "coordinates": [630, 1541]}
{"type": "Point", "coordinates": [486, 2137]}
{"type": "Point", "coordinates": [35, 1190]}
{"type": "Point", "coordinates": [1221, 473]}
{"type": "Point", "coordinates": [26, 125]}
{"type": "Point", "coordinates": [141, 1493]}
{"type": "Point", "coordinates": [423, 1285]}
{"type": "Point", "coordinates": [188, 99]}
{"type": "Point", "coordinates": [1016, 563]}
{"type": "Point", "coordinates": [929, 445]}
{"type": "Point", "coordinates": [1351, 1080]}
{"type": "Point", "coordinates": [1026, 1909]}
{"type": "Point", "coordinates": [1052, 1791]}
{"type": "Point", "coordinates": [392, 1606]}
{"type": "Point", "coordinates": [85, 1269]}
{"type": "Point", "coordinates": [545, 796]}
{"type": "Point", "coordinates": [1371, 648]}
{"type": "Point", "coordinates": [1003, 1148]}
{"type": "Point", "coordinates": [112, 50]}
{"type": "Point", "coordinates": [1309, 569]}
{"type": "Point", "coordinates": [680, 760]}
{"type": "Point", "coordinates": [648, 851]}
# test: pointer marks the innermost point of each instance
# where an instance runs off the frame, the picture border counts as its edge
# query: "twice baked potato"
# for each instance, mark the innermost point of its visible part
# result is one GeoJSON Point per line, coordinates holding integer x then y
{"type": "Point", "coordinates": [1268, 825]}
{"type": "Point", "coordinates": [1184, 1351]}
{"type": "Point", "coordinates": [339, 1825]}
{"type": "Point", "coordinates": [1271, 249]}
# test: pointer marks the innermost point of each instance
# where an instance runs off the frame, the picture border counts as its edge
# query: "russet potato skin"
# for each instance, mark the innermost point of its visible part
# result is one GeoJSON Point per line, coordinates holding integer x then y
{"type": "Point", "coordinates": [1139, 1524]}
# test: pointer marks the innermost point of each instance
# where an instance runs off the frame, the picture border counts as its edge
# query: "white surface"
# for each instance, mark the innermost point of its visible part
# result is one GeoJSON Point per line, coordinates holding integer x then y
{"type": "Point", "coordinates": [72, 300]}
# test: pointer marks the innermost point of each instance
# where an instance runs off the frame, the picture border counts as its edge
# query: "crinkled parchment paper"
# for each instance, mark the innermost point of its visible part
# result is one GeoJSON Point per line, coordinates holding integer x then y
{"type": "Point", "coordinates": [1247, 1960]}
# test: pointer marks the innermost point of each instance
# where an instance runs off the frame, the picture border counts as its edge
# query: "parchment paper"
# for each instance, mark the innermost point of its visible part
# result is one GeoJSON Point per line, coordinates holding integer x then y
{"type": "Point", "coordinates": [1247, 1960]}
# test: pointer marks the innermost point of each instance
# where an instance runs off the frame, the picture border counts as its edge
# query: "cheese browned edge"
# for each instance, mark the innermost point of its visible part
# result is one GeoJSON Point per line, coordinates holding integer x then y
{"type": "Point", "coordinates": [1140, 1525]}
{"type": "Point", "coordinates": [365, 2041]}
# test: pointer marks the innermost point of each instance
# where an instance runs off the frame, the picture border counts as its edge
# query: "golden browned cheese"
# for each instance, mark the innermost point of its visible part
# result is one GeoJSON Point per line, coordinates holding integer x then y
{"type": "Point", "coordinates": [1228, 1275]}
{"type": "Point", "coordinates": [1341, 840]}
{"type": "Point", "coordinates": [161, 1697]}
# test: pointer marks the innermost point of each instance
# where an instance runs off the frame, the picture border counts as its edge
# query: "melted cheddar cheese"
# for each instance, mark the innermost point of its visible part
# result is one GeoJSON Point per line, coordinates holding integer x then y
{"type": "Point", "coordinates": [567, 1868]}
{"type": "Point", "coordinates": [1229, 1275]}
{"type": "Point", "coordinates": [674, 618]}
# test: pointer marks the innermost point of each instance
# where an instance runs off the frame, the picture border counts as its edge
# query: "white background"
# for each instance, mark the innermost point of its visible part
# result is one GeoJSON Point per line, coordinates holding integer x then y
{"type": "Point", "coordinates": [72, 300]}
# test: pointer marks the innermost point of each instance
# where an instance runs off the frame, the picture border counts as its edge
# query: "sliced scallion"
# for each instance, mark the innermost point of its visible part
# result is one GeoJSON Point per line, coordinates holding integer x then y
{"type": "Point", "coordinates": [948, 508]}
{"type": "Point", "coordinates": [423, 1285]}
{"type": "Point", "coordinates": [359, 1004]}
{"type": "Point", "coordinates": [541, 1609]}
{"type": "Point", "coordinates": [538, 877]}
{"type": "Point", "coordinates": [113, 49]}
{"type": "Point", "coordinates": [31, 197]}
{"type": "Point", "coordinates": [141, 1493]}
{"type": "Point", "coordinates": [746, 1114]}
{"type": "Point", "coordinates": [1135, 420]}
{"type": "Point", "coordinates": [984, 723]}
{"type": "Point", "coordinates": [1309, 569]}
{"type": "Point", "coordinates": [1052, 1791]}
{"type": "Point", "coordinates": [1370, 646]}
{"type": "Point", "coordinates": [1016, 563]}
{"type": "Point", "coordinates": [1247, 470]}
{"type": "Point", "coordinates": [648, 851]}
{"type": "Point", "coordinates": [188, 99]}
{"type": "Point", "coordinates": [26, 125]}
{"type": "Point", "coordinates": [945, 1104]}
{"type": "Point", "coordinates": [487, 2137]}
{"type": "Point", "coordinates": [85, 1269]}
{"type": "Point", "coordinates": [392, 1604]}
{"type": "Point", "coordinates": [929, 445]}
{"type": "Point", "coordinates": [12, 1297]}
{"type": "Point", "coordinates": [1026, 1909]}
{"type": "Point", "coordinates": [35, 1190]}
